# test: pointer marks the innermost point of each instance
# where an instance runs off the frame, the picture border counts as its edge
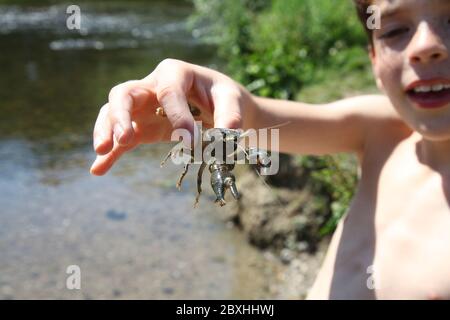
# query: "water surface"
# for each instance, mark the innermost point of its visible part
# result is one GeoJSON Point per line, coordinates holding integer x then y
{"type": "Point", "coordinates": [131, 232]}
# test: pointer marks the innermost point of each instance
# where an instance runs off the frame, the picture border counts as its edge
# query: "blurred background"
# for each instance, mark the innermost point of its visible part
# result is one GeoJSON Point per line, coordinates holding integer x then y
{"type": "Point", "coordinates": [131, 232]}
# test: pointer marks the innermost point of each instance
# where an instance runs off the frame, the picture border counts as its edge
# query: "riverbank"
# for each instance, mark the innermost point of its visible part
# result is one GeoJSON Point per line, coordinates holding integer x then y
{"type": "Point", "coordinates": [284, 224]}
{"type": "Point", "coordinates": [285, 214]}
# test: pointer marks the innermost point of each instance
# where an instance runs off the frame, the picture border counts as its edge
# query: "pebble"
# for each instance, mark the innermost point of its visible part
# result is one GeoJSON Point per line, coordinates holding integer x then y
{"type": "Point", "coordinates": [286, 256]}
{"type": "Point", "coordinates": [302, 246]}
{"type": "Point", "coordinates": [168, 290]}
{"type": "Point", "coordinates": [117, 293]}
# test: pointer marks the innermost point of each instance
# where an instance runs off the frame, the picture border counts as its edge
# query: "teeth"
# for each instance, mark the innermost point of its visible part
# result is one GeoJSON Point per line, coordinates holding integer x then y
{"type": "Point", "coordinates": [434, 88]}
{"type": "Point", "coordinates": [422, 89]}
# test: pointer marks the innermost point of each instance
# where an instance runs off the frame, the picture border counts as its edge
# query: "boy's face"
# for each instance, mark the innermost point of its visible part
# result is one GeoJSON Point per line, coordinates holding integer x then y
{"type": "Point", "coordinates": [410, 58]}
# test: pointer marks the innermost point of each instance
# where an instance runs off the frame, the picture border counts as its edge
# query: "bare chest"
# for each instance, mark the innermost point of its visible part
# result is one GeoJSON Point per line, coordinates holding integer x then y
{"type": "Point", "coordinates": [394, 242]}
{"type": "Point", "coordinates": [411, 230]}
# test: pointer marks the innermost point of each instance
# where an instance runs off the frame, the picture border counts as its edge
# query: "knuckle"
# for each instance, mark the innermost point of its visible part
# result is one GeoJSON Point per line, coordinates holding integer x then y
{"type": "Point", "coordinates": [171, 70]}
{"type": "Point", "coordinates": [229, 90]}
{"type": "Point", "coordinates": [104, 109]}
{"type": "Point", "coordinates": [169, 64]}
{"type": "Point", "coordinates": [114, 116]}
{"type": "Point", "coordinates": [178, 120]}
{"type": "Point", "coordinates": [121, 89]}
{"type": "Point", "coordinates": [167, 92]}
{"type": "Point", "coordinates": [115, 91]}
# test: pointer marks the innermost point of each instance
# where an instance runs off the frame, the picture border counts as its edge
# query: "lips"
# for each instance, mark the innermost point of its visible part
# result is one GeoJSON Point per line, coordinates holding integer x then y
{"type": "Point", "coordinates": [429, 94]}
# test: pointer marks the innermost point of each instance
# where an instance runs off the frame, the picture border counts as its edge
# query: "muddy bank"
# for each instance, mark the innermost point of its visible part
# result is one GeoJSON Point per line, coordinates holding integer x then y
{"type": "Point", "coordinates": [281, 215]}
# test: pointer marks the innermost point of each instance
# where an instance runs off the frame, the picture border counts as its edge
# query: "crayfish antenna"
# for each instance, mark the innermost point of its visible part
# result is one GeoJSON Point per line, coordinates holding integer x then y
{"type": "Point", "coordinates": [165, 159]}
{"type": "Point", "coordinates": [178, 149]}
{"type": "Point", "coordinates": [277, 198]}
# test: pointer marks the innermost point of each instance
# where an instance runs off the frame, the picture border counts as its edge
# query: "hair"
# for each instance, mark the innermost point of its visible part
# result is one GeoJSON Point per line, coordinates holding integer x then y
{"type": "Point", "coordinates": [361, 9]}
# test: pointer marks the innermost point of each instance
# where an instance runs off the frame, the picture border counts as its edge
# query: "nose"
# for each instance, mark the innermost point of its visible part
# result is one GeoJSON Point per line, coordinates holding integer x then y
{"type": "Point", "coordinates": [427, 46]}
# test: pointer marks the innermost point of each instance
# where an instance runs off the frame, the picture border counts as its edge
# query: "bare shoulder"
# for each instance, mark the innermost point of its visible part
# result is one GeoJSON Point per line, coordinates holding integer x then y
{"type": "Point", "coordinates": [371, 108]}
{"type": "Point", "coordinates": [380, 118]}
{"type": "Point", "coordinates": [372, 117]}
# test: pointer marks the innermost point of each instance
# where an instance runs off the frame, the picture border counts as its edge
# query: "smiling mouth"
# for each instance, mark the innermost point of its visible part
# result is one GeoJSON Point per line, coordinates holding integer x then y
{"type": "Point", "coordinates": [429, 94]}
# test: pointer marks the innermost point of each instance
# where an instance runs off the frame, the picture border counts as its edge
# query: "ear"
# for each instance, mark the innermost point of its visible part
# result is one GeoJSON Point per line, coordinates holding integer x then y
{"type": "Point", "coordinates": [373, 59]}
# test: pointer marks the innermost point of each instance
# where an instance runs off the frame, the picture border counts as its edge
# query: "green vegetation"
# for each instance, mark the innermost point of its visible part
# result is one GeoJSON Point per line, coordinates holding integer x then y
{"type": "Point", "coordinates": [80, 3]}
{"type": "Point", "coordinates": [310, 50]}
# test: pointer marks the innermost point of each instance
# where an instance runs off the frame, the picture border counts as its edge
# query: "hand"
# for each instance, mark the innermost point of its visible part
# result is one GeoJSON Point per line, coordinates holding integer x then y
{"type": "Point", "coordinates": [130, 119]}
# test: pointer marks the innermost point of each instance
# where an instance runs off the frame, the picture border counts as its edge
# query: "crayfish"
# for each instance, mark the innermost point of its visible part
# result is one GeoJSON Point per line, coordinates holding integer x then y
{"type": "Point", "coordinates": [224, 146]}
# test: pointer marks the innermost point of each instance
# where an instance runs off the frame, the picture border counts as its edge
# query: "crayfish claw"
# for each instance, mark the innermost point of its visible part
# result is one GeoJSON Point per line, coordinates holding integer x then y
{"type": "Point", "coordinates": [221, 202]}
{"type": "Point", "coordinates": [234, 190]}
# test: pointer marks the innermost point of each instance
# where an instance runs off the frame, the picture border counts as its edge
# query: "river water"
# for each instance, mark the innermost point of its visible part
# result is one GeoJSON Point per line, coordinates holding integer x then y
{"type": "Point", "coordinates": [132, 234]}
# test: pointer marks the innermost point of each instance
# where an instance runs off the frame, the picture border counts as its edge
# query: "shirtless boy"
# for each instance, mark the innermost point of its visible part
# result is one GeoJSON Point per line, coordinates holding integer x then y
{"type": "Point", "coordinates": [397, 229]}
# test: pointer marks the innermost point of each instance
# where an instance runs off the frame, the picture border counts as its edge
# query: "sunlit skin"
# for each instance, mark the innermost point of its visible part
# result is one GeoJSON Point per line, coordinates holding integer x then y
{"type": "Point", "coordinates": [394, 240]}
{"type": "Point", "coordinates": [399, 220]}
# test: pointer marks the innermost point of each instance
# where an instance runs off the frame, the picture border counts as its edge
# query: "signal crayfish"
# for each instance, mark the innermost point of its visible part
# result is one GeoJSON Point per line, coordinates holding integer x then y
{"type": "Point", "coordinates": [220, 151]}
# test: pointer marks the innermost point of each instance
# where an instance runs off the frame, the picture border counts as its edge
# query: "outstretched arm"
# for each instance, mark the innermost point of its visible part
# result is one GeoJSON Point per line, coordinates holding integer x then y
{"type": "Point", "coordinates": [340, 126]}
{"type": "Point", "coordinates": [129, 118]}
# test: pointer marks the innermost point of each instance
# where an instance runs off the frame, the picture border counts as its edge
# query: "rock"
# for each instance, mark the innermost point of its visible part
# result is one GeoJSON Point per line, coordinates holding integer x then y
{"type": "Point", "coordinates": [168, 290]}
{"type": "Point", "coordinates": [302, 246]}
{"type": "Point", "coordinates": [117, 293]}
{"type": "Point", "coordinates": [115, 215]}
{"type": "Point", "coordinates": [286, 256]}
{"type": "Point", "coordinates": [273, 217]}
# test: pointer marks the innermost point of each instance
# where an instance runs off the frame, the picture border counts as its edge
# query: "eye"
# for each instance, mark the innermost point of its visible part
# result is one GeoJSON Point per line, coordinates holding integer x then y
{"type": "Point", "coordinates": [393, 33]}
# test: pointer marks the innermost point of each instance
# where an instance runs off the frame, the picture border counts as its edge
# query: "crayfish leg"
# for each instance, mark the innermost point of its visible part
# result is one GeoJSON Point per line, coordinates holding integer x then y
{"type": "Point", "coordinates": [199, 182]}
{"type": "Point", "coordinates": [180, 180]}
{"type": "Point", "coordinates": [177, 149]}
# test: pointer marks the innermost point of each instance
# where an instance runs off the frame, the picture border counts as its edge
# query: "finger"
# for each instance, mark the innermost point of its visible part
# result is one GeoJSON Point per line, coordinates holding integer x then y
{"type": "Point", "coordinates": [103, 163]}
{"type": "Point", "coordinates": [227, 107]}
{"type": "Point", "coordinates": [121, 106]}
{"type": "Point", "coordinates": [172, 80]}
{"type": "Point", "coordinates": [103, 133]}
{"type": "Point", "coordinates": [173, 100]}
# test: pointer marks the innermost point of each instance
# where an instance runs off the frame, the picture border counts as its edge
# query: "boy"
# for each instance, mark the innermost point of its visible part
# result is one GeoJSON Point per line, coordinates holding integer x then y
{"type": "Point", "coordinates": [394, 240]}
